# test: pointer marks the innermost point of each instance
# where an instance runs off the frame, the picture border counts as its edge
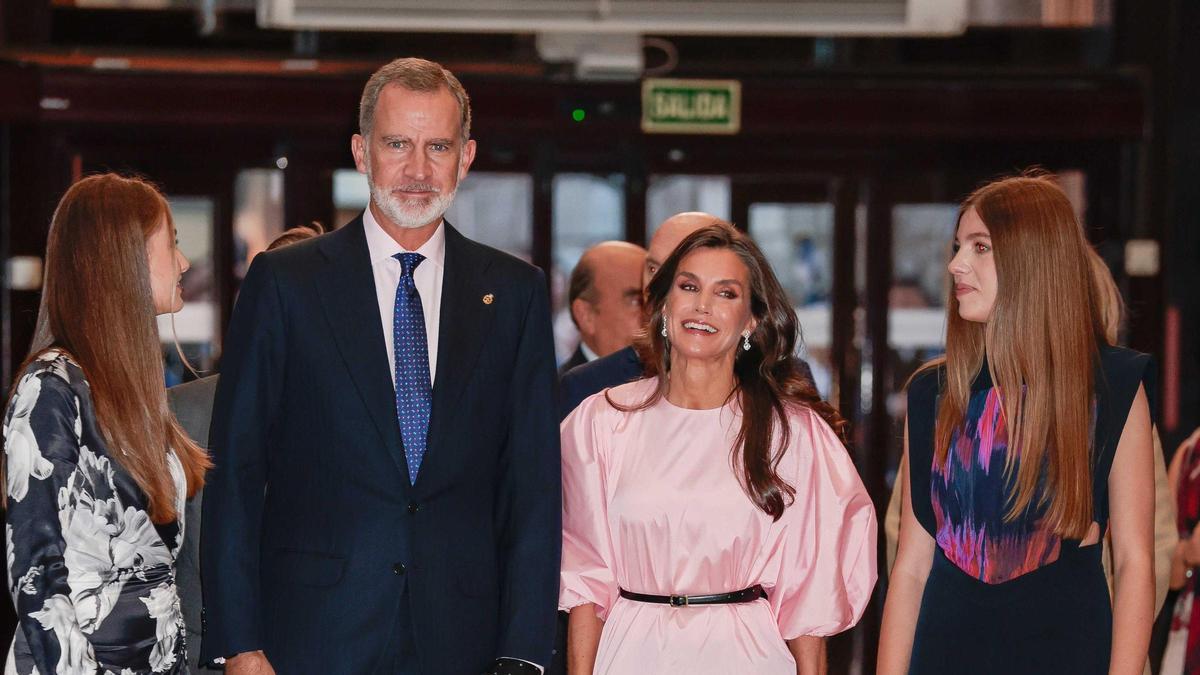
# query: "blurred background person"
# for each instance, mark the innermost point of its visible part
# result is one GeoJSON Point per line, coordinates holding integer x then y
{"type": "Point", "coordinates": [999, 568]}
{"type": "Point", "coordinates": [191, 403]}
{"type": "Point", "coordinates": [605, 297]}
{"type": "Point", "coordinates": [713, 522]}
{"type": "Point", "coordinates": [96, 468]}
{"type": "Point", "coordinates": [1182, 654]}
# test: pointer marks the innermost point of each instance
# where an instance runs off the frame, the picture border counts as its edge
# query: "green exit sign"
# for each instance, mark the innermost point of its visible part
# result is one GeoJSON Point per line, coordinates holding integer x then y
{"type": "Point", "coordinates": [691, 106]}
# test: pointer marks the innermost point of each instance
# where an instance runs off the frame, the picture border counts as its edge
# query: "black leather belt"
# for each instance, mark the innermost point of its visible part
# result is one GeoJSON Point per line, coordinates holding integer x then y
{"type": "Point", "coordinates": [745, 595]}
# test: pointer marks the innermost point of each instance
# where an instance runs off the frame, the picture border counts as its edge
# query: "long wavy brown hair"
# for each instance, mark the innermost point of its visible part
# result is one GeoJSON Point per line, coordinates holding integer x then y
{"type": "Point", "coordinates": [97, 306]}
{"type": "Point", "coordinates": [1041, 339]}
{"type": "Point", "coordinates": [768, 375]}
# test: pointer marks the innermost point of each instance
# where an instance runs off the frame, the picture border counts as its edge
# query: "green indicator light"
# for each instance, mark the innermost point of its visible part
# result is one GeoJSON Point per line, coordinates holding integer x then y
{"type": "Point", "coordinates": [578, 114]}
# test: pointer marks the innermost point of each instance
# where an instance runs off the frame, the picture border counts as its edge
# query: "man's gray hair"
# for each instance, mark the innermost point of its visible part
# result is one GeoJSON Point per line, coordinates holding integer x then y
{"type": "Point", "coordinates": [415, 75]}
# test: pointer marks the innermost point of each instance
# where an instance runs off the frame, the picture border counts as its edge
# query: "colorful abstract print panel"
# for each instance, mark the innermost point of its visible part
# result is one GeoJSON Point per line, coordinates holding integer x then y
{"type": "Point", "coordinates": [970, 498]}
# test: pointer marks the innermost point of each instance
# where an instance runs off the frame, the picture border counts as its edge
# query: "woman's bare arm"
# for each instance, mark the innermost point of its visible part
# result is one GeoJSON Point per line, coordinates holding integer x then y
{"type": "Point", "coordinates": [809, 653]}
{"type": "Point", "coordinates": [906, 585]}
{"type": "Point", "coordinates": [583, 639]}
{"type": "Point", "coordinates": [1131, 491]}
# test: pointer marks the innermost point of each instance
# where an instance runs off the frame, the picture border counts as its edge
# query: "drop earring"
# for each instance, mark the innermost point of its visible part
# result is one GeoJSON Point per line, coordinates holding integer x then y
{"type": "Point", "coordinates": [663, 332]}
{"type": "Point", "coordinates": [746, 341]}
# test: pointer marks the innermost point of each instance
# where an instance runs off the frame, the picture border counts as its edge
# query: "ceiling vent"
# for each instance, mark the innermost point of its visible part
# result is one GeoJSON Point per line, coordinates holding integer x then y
{"type": "Point", "coordinates": [630, 17]}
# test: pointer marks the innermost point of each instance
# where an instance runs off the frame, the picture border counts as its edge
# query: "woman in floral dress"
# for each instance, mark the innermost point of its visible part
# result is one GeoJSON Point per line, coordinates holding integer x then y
{"type": "Point", "coordinates": [96, 469]}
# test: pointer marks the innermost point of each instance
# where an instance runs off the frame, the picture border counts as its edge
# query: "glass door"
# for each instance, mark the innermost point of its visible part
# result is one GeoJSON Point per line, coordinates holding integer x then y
{"type": "Point", "coordinates": [806, 229]}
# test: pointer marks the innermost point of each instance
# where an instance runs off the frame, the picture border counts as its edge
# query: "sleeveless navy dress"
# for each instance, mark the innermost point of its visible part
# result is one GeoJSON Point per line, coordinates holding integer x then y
{"type": "Point", "coordinates": [1010, 597]}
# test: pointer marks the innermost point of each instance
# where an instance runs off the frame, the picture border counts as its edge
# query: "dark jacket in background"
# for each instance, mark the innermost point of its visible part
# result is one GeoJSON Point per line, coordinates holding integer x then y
{"type": "Point", "coordinates": [577, 359]}
{"type": "Point", "coordinates": [192, 404]}
{"type": "Point", "coordinates": [581, 382]}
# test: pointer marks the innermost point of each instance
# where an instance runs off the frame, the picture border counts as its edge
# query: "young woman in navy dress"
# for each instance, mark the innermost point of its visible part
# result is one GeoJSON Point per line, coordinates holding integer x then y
{"type": "Point", "coordinates": [1026, 442]}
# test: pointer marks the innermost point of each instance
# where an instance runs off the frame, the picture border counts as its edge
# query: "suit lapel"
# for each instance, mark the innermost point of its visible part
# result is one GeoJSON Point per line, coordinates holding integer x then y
{"type": "Point", "coordinates": [347, 292]}
{"type": "Point", "coordinates": [464, 322]}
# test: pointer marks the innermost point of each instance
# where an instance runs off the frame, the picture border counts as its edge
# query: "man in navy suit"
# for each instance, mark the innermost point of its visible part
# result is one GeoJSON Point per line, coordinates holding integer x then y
{"type": "Point", "coordinates": [386, 492]}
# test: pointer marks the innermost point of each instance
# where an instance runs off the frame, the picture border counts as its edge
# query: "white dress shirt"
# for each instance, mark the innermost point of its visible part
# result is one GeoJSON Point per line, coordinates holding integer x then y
{"type": "Point", "coordinates": [428, 278]}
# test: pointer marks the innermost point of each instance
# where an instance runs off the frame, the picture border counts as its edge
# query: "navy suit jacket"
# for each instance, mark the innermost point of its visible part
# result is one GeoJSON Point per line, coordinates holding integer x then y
{"type": "Point", "coordinates": [582, 381]}
{"type": "Point", "coordinates": [314, 535]}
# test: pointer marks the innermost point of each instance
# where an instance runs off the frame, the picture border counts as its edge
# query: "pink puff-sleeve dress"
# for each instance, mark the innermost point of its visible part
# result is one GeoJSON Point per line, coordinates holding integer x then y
{"type": "Point", "coordinates": [652, 504]}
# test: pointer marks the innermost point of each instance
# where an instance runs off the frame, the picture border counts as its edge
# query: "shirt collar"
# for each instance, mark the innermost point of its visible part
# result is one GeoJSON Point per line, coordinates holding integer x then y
{"type": "Point", "coordinates": [381, 246]}
{"type": "Point", "coordinates": [587, 353]}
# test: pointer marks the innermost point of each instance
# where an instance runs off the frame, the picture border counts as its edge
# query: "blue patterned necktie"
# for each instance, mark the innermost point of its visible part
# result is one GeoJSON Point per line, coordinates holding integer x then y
{"type": "Point", "coordinates": [414, 393]}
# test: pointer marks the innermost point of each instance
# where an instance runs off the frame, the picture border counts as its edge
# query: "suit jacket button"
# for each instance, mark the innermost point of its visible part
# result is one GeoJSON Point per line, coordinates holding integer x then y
{"type": "Point", "coordinates": [399, 569]}
{"type": "Point", "coordinates": [413, 507]}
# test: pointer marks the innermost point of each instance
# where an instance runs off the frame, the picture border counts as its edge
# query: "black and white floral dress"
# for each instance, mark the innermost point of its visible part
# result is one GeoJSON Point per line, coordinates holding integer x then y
{"type": "Point", "coordinates": [91, 576]}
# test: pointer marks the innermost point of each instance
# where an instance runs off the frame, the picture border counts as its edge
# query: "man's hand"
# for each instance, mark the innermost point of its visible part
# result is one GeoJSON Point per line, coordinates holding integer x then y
{"type": "Point", "coordinates": [249, 663]}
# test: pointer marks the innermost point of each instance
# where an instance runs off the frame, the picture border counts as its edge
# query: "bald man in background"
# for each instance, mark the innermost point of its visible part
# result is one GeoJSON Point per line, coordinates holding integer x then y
{"type": "Point", "coordinates": [605, 300]}
{"type": "Point", "coordinates": [623, 365]}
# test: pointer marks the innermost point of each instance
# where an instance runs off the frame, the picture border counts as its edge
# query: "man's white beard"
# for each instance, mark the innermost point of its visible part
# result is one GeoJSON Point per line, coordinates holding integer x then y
{"type": "Point", "coordinates": [410, 213]}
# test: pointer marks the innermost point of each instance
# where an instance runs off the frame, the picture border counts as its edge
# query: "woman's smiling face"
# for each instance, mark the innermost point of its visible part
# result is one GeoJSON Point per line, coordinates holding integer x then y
{"type": "Point", "coordinates": [708, 307]}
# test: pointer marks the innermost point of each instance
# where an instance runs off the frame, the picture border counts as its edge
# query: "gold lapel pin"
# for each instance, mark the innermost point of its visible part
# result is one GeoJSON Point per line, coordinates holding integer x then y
{"type": "Point", "coordinates": [488, 299]}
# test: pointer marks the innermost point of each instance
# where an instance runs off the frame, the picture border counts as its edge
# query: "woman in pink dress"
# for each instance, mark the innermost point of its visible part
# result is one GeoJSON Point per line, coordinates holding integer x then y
{"type": "Point", "coordinates": [713, 522]}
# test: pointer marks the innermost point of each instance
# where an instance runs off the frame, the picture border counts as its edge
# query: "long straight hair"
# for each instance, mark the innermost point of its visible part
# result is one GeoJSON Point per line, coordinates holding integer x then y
{"type": "Point", "coordinates": [98, 307]}
{"type": "Point", "coordinates": [1040, 342]}
{"type": "Point", "coordinates": [768, 375]}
